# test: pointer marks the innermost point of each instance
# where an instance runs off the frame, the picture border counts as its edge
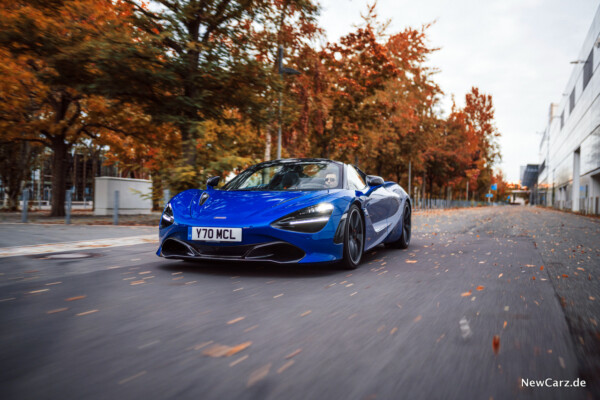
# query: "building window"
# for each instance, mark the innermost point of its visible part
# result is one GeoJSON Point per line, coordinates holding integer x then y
{"type": "Point", "coordinates": [588, 68]}
{"type": "Point", "coordinates": [572, 101]}
{"type": "Point", "coordinates": [562, 119]}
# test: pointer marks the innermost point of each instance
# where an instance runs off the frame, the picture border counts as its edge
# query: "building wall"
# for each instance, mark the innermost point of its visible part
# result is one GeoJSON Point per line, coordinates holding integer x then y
{"type": "Point", "coordinates": [571, 141]}
{"type": "Point", "coordinates": [134, 195]}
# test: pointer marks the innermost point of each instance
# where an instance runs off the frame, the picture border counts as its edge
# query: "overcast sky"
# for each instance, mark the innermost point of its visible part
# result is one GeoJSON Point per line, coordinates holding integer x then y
{"type": "Point", "coordinates": [516, 50]}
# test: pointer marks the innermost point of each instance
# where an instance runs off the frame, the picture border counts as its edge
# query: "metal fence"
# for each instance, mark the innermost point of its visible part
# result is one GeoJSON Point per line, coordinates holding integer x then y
{"type": "Point", "coordinates": [435, 204]}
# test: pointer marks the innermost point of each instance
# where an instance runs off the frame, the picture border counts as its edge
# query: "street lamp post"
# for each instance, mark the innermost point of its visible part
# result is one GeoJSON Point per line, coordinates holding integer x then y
{"type": "Point", "coordinates": [282, 71]}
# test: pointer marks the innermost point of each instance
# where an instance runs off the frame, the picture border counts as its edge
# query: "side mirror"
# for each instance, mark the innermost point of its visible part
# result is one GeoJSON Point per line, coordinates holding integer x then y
{"type": "Point", "coordinates": [373, 180]}
{"type": "Point", "coordinates": [212, 182]}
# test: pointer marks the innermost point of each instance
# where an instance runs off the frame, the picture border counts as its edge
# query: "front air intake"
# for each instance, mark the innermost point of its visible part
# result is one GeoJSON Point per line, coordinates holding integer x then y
{"type": "Point", "coordinates": [175, 248]}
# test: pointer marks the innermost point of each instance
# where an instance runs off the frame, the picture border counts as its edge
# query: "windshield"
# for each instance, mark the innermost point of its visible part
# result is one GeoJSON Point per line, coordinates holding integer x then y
{"type": "Point", "coordinates": [296, 176]}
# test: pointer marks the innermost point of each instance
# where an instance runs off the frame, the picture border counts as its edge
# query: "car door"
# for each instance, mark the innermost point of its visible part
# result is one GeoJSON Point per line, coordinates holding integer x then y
{"type": "Point", "coordinates": [374, 208]}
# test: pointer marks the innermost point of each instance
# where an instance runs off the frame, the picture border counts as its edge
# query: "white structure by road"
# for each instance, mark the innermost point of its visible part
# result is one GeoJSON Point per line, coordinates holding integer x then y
{"type": "Point", "coordinates": [134, 195]}
{"type": "Point", "coordinates": [569, 168]}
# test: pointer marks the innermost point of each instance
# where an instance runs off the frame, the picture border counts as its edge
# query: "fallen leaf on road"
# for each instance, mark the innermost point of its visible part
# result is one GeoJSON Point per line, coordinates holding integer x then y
{"type": "Point", "coordinates": [57, 310]}
{"type": "Point", "coordinates": [465, 294]}
{"type": "Point", "coordinates": [87, 312]}
{"type": "Point", "coordinates": [500, 276]}
{"type": "Point", "coordinates": [411, 261]}
{"type": "Point", "coordinates": [258, 374]}
{"type": "Point", "coordinates": [279, 295]}
{"type": "Point", "coordinates": [218, 350]}
{"type": "Point", "coordinates": [542, 268]}
{"type": "Point", "coordinates": [221, 350]}
{"type": "Point", "coordinates": [417, 319]}
{"type": "Point", "coordinates": [562, 362]}
{"type": "Point", "coordinates": [504, 326]}
{"type": "Point", "coordinates": [305, 313]}
{"type": "Point", "coordinates": [293, 354]}
{"type": "Point", "coordinates": [394, 330]}
{"type": "Point", "coordinates": [239, 360]}
{"type": "Point", "coordinates": [253, 327]}
{"type": "Point", "coordinates": [233, 321]}
{"type": "Point", "coordinates": [533, 278]}
{"type": "Point", "coordinates": [132, 377]}
{"type": "Point", "coordinates": [581, 269]}
{"type": "Point", "coordinates": [565, 275]}
{"type": "Point", "coordinates": [285, 366]}
{"type": "Point", "coordinates": [201, 345]}
{"type": "Point", "coordinates": [75, 298]}
{"type": "Point", "coordinates": [480, 288]}
{"type": "Point", "coordinates": [496, 344]}
{"type": "Point", "coordinates": [237, 349]}
{"type": "Point", "coordinates": [592, 298]}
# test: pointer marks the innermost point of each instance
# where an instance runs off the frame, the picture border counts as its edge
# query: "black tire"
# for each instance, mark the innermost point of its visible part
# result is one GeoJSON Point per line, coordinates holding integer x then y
{"type": "Point", "coordinates": [354, 239]}
{"type": "Point", "coordinates": [404, 240]}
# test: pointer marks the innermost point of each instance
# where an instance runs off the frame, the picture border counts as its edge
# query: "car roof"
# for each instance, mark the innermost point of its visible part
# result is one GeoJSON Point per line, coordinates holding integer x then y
{"type": "Point", "coordinates": [294, 160]}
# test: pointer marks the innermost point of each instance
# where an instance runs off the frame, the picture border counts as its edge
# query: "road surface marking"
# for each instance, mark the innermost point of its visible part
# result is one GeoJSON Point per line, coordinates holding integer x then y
{"type": "Point", "coordinates": [75, 246]}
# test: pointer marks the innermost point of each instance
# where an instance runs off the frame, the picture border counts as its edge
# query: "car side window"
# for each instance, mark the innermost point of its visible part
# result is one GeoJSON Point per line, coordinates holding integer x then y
{"type": "Point", "coordinates": [355, 181]}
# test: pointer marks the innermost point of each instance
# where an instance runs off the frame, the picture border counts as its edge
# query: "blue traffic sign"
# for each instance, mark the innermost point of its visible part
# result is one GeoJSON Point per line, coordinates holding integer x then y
{"type": "Point", "coordinates": [489, 195]}
{"type": "Point", "coordinates": [495, 186]}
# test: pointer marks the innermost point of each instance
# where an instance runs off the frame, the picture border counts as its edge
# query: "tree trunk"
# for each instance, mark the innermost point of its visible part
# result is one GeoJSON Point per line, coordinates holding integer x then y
{"type": "Point", "coordinates": [157, 191]}
{"type": "Point", "coordinates": [424, 185]}
{"type": "Point", "coordinates": [268, 144]}
{"type": "Point", "coordinates": [16, 159]}
{"type": "Point", "coordinates": [74, 180]}
{"type": "Point", "coordinates": [59, 174]}
{"type": "Point", "coordinates": [84, 178]}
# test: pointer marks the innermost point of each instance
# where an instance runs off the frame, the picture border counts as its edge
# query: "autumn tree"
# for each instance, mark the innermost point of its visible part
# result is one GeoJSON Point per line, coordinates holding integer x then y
{"type": "Point", "coordinates": [188, 62]}
{"type": "Point", "coordinates": [411, 126]}
{"type": "Point", "coordinates": [482, 138]}
{"type": "Point", "coordinates": [42, 44]}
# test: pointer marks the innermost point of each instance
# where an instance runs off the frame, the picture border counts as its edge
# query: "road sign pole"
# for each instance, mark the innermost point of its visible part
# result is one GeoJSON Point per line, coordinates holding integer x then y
{"type": "Point", "coordinates": [116, 209]}
{"type": "Point", "coordinates": [24, 210]}
{"type": "Point", "coordinates": [409, 173]}
{"type": "Point", "coordinates": [68, 210]}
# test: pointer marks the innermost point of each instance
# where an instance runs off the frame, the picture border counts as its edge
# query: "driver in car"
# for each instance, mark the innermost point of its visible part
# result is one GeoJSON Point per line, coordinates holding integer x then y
{"type": "Point", "coordinates": [331, 180]}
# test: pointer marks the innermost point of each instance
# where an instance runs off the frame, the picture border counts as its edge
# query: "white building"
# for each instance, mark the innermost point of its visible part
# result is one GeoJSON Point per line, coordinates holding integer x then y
{"type": "Point", "coordinates": [569, 168]}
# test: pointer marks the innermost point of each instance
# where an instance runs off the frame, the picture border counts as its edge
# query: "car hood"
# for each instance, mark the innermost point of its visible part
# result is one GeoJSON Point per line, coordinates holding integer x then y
{"type": "Point", "coordinates": [250, 206]}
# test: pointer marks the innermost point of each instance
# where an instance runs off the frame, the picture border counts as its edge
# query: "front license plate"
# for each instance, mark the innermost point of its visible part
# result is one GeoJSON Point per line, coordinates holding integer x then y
{"type": "Point", "coordinates": [209, 234]}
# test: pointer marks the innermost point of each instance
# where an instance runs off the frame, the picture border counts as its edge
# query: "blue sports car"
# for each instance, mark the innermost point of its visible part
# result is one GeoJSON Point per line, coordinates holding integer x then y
{"type": "Point", "coordinates": [287, 211]}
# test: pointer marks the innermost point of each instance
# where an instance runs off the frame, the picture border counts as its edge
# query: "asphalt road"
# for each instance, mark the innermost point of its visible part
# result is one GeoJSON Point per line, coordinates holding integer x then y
{"type": "Point", "coordinates": [416, 324]}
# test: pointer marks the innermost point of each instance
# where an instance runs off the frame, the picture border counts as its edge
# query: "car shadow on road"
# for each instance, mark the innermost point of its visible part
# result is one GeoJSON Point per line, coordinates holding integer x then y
{"type": "Point", "coordinates": [228, 268]}
{"type": "Point", "coordinates": [257, 269]}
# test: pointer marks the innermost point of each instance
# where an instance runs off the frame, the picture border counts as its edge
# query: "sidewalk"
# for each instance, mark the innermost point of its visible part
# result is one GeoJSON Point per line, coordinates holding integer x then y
{"type": "Point", "coordinates": [18, 235]}
{"type": "Point", "coordinates": [82, 217]}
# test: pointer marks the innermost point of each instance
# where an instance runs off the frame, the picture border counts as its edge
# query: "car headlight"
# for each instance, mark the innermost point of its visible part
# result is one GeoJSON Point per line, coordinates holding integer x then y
{"type": "Point", "coordinates": [167, 218]}
{"type": "Point", "coordinates": [308, 220]}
